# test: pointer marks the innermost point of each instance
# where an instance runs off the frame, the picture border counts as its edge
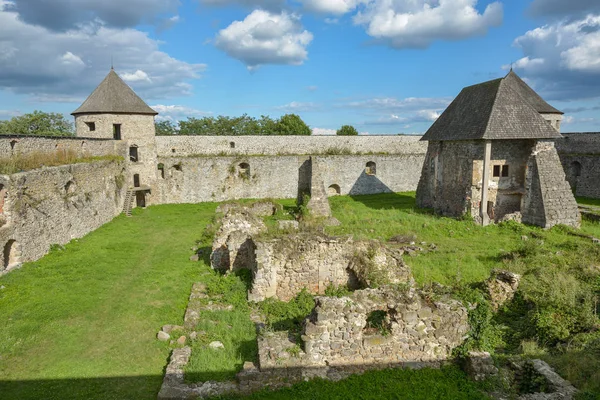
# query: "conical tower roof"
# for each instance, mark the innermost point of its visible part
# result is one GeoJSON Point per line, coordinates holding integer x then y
{"type": "Point", "coordinates": [493, 110]}
{"type": "Point", "coordinates": [113, 96]}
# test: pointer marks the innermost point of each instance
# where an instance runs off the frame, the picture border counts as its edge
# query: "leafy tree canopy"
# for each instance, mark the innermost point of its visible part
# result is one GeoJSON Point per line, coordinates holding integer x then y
{"type": "Point", "coordinates": [245, 125]}
{"type": "Point", "coordinates": [347, 130]}
{"type": "Point", "coordinates": [38, 123]}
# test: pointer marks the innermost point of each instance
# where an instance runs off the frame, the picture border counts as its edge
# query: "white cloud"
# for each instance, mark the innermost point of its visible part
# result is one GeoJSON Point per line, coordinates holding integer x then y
{"type": "Point", "coordinates": [49, 64]}
{"type": "Point", "coordinates": [562, 59]}
{"type": "Point", "coordinates": [394, 119]}
{"type": "Point", "coordinates": [394, 104]}
{"type": "Point", "coordinates": [331, 21]}
{"type": "Point", "coordinates": [177, 112]}
{"type": "Point", "coordinates": [323, 131]}
{"type": "Point", "coordinates": [296, 106]}
{"type": "Point", "coordinates": [265, 38]}
{"type": "Point", "coordinates": [331, 6]}
{"type": "Point", "coordinates": [137, 76]}
{"type": "Point", "coordinates": [63, 15]}
{"type": "Point", "coordinates": [8, 114]}
{"type": "Point", "coordinates": [417, 23]}
{"type": "Point", "coordinates": [312, 88]}
{"type": "Point", "coordinates": [71, 59]}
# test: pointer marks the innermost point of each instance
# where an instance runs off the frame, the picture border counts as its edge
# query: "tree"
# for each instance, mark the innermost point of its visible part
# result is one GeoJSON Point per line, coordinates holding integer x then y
{"type": "Point", "coordinates": [347, 130]}
{"type": "Point", "coordinates": [38, 123]}
{"type": "Point", "coordinates": [291, 124]}
{"type": "Point", "coordinates": [164, 128]}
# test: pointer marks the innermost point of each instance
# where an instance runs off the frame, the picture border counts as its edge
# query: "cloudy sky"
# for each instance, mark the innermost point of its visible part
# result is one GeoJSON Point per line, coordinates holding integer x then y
{"type": "Point", "coordinates": [384, 66]}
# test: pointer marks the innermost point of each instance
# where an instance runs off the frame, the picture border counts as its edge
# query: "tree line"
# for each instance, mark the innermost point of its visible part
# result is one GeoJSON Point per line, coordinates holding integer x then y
{"type": "Point", "coordinates": [37, 123]}
{"type": "Point", "coordinates": [55, 124]}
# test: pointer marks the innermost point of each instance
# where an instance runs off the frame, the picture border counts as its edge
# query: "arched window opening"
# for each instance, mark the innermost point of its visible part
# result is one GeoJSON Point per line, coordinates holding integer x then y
{"type": "Point", "coordinates": [576, 168]}
{"type": "Point", "coordinates": [161, 170]}
{"type": "Point", "coordinates": [11, 254]}
{"type": "Point", "coordinates": [133, 153]}
{"type": "Point", "coordinates": [244, 170]}
{"type": "Point", "coordinates": [378, 322]}
{"type": "Point", "coordinates": [136, 180]}
{"type": "Point", "coordinates": [333, 190]}
{"type": "Point", "coordinates": [91, 126]}
{"type": "Point", "coordinates": [12, 144]}
{"type": "Point", "coordinates": [232, 145]}
{"type": "Point", "coordinates": [371, 168]}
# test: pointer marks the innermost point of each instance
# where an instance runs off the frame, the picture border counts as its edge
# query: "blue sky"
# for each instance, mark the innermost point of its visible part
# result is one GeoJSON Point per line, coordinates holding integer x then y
{"type": "Point", "coordinates": [384, 66]}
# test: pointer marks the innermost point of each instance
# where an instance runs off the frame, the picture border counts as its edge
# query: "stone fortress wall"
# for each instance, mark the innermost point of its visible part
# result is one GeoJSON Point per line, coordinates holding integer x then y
{"type": "Point", "coordinates": [189, 169]}
{"type": "Point", "coordinates": [580, 156]}
{"type": "Point", "coordinates": [81, 146]}
{"type": "Point", "coordinates": [54, 205]}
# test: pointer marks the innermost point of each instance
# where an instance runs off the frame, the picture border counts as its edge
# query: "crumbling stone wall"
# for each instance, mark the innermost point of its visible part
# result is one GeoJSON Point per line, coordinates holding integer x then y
{"type": "Point", "coordinates": [57, 204]}
{"type": "Point", "coordinates": [82, 146]}
{"type": "Point", "coordinates": [335, 334]}
{"type": "Point", "coordinates": [286, 265]}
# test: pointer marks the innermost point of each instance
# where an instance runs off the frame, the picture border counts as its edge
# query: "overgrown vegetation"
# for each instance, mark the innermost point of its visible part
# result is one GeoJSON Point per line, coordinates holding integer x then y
{"type": "Point", "coordinates": [26, 162]}
{"type": "Point", "coordinates": [289, 124]}
{"type": "Point", "coordinates": [287, 316]}
{"type": "Point", "coordinates": [423, 384]}
{"type": "Point", "coordinates": [37, 123]}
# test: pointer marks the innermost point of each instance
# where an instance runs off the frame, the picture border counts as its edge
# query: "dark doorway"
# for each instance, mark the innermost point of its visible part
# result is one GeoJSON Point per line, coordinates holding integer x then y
{"type": "Point", "coordinates": [136, 180]}
{"type": "Point", "coordinates": [140, 199]}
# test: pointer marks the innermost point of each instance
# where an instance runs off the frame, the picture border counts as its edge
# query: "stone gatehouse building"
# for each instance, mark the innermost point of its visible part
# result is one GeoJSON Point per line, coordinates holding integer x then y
{"type": "Point", "coordinates": [492, 155]}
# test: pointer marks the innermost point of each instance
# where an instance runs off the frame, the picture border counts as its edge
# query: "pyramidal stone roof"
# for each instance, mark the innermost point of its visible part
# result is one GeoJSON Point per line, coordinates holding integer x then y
{"type": "Point", "coordinates": [113, 95]}
{"type": "Point", "coordinates": [499, 109]}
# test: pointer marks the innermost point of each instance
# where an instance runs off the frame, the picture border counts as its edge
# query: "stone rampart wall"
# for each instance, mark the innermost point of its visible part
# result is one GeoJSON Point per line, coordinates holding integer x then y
{"type": "Point", "coordinates": [580, 156]}
{"type": "Point", "coordinates": [15, 144]}
{"type": "Point", "coordinates": [55, 205]}
{"type": "Point", "coordinates": [279, 145]}
{"type": "Point", "coordinates": [200, 179]}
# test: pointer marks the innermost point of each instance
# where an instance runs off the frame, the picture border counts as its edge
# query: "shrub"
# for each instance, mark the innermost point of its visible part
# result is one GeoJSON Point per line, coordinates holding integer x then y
{"type": "Point", "coordinates": [347, 130]}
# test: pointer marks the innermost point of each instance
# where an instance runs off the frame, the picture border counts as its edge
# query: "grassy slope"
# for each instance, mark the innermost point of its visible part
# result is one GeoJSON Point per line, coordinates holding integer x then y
{"type": "Point", "coordinates": [466, 252]}
{"type": "Point", "coordinates": [92, 310]}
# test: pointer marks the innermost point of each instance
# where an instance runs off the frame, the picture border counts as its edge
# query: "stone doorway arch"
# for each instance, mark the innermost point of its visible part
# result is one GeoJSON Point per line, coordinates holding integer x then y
{"type": "Point", "coordinates": [12, 254]}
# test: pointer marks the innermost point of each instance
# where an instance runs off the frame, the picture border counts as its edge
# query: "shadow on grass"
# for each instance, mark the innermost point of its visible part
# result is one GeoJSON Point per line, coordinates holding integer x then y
{"type": "Point", "coordinates": [391, 201]}
{"type": "Point", "coordinates": [120, 387]}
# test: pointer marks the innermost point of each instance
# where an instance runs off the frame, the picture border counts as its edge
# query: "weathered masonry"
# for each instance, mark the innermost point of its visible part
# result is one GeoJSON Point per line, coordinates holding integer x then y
{"type": "Point", "coordinates": [524, 174]}
{"type": "Point", "coordinates": [491, 154]}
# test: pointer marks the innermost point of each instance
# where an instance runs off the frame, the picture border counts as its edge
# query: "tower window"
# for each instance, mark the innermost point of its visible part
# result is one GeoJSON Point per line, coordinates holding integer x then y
{"type": "Point", "coordinates": [505, 170]}
{"type": "Point", "coordinates": [117, 131]}
{"type": "Point", "coordinates": [496, 172]}
{"type": "Point", "coordinates": [91, 126]}
{"type": "Point", "coordinates": [133, 154]}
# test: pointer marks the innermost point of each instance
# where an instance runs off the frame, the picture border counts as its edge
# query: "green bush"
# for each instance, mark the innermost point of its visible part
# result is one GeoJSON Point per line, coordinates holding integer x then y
{"type": "Point", "coordinates": [282, 316]}
{"type": "Point", "coordinates": [347, 130]}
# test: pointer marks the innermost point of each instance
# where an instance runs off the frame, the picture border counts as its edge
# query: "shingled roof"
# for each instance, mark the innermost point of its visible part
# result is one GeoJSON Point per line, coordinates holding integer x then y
{"type": "Point", "coordinates": [492, 110]}
{"type": "Point", "coordinates": [114, 96]}
{"type": "Point", "coordinates": [529, 94]}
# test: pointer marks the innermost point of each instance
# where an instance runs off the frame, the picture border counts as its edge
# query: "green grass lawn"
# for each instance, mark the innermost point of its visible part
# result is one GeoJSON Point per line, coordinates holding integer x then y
{"type": "Point", "coordinates": [82, 321]}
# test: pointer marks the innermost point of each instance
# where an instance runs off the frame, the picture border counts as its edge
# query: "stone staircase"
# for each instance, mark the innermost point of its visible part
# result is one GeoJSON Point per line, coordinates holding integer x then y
{"type": "Point", "coordinates": [128, 203]}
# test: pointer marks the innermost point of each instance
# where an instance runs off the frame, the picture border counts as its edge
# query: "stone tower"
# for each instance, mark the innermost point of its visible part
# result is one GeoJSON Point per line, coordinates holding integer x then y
{"type": "Point", "coordinates": [115, 111]}
{"type": "Point", "coordinates": [491, 154]}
